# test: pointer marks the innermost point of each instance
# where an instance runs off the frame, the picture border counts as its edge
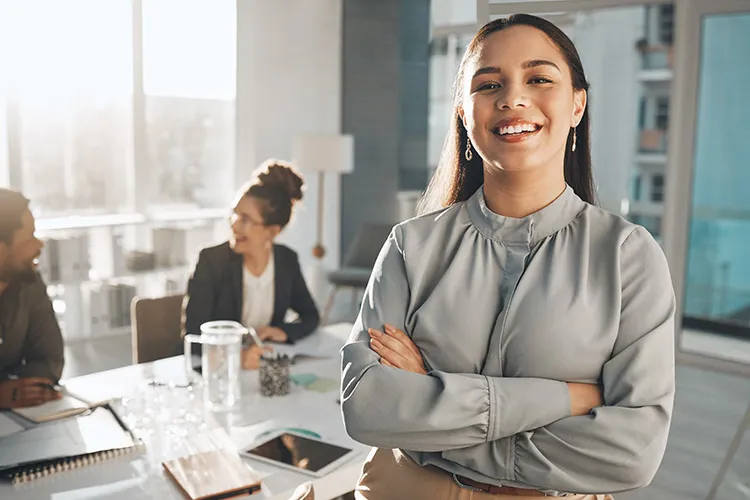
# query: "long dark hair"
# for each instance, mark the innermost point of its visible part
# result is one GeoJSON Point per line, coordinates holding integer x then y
{"type": "Point", "coordinates": [457, 178]}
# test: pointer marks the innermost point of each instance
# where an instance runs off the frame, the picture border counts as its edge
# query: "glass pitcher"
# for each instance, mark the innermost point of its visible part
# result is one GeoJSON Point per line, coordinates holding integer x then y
{"type": "Point", "coordinates": [220, 362]}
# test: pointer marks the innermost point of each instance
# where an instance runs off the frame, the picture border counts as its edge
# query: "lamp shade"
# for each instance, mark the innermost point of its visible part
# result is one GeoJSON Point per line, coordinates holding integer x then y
{"type": "Point", "coordinates": [324, 153]}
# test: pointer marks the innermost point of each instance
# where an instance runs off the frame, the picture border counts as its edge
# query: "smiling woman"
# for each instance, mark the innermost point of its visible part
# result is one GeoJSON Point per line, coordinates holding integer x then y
{"type": "Point", "coordinates": [516, 341]}
{"type": "Point", "coordinates": [250, 278]}
{"type": "Point", "coordinates": [543, 87]}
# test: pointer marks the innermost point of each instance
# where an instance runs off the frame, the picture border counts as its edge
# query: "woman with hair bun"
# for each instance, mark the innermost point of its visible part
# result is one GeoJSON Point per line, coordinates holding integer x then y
{"type": "Point", "coordinates": [251, 279]}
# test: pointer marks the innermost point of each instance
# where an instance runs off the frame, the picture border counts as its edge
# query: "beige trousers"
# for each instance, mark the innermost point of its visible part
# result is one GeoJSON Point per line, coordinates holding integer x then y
{"type": "Point", "coordinates": [392, 475]}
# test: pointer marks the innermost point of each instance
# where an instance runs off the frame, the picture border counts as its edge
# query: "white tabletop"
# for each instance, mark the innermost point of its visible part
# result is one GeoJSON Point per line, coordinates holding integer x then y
{"type": "Point", "coordinates": [141, 476]}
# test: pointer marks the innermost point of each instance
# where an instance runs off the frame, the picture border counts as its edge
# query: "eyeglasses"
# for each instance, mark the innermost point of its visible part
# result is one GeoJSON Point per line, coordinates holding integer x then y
{"type": "Point", "coordinates": [244, 220]}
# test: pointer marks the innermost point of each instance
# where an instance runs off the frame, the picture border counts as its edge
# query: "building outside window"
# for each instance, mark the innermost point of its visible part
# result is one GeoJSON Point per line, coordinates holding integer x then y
{"type": "Point", "coordinates": [657, 188]}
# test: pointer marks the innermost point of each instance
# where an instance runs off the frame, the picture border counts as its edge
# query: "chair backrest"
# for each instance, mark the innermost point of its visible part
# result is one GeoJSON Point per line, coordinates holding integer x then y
{"type": "Point", "coordinates": [365, 247]}
{"type": "Point", "coordinates": [155, 326]}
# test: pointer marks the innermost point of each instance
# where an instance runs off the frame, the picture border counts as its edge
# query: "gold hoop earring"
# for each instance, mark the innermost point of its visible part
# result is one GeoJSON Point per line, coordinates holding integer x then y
{"type": "Point", "coordinates": [574, 140]}
{"type": "Point", "coordinates": [468, 154]}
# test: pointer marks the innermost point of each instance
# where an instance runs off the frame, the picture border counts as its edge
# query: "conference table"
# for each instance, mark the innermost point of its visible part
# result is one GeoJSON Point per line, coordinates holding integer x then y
{"type": "Point", "coordinates": [168, 414]}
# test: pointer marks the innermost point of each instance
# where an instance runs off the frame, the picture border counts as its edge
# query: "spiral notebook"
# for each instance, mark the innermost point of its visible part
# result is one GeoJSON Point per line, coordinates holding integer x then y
{"type": "Point", "coordinates": [64, 445]}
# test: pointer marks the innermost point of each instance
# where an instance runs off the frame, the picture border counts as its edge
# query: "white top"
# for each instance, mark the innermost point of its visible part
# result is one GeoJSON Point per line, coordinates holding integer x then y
{"type": "Point", "coordinates": [257, 296]}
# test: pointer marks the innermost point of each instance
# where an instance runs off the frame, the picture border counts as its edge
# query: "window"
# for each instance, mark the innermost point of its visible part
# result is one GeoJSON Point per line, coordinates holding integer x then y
{"type": "Point", "coordinates": [651, 222]}
{"type": "Point", "coordinates": [70, 102]}
{"type": "Point", "coordinates": [642, 114]}
{"type": "Point", "coordinates": [666, 24]}
{"type": "Point", "coordinates": [637, 181]}
{"type": "Point", "coordinates": [189, 82]}
{"type": "Point", "coordinates": [662, 113]}
{"type": "Point", "coordinates": [657, 188]}
{"type": "Point", "coordinates": [439, 46]}
{"type": "Point", "coordinates": [718, 272]}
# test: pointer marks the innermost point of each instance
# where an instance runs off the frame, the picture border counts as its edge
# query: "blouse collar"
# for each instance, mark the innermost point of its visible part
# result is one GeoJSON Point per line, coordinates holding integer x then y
{"type": "Point", "coordinates": [530, 229]}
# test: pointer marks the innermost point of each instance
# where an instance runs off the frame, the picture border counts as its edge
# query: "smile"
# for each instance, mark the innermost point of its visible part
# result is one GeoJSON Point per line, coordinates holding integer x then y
{"type": "Point", "coordinates": [516, 132]}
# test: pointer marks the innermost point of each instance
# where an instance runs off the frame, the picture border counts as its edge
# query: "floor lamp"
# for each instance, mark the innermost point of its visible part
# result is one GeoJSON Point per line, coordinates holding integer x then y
{"type": "Point", "coordinates": [323, 154]}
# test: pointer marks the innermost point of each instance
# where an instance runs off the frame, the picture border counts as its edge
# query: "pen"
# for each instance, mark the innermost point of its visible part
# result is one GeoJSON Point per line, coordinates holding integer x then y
{"type": "Point", "coordinates": [120, 421]}
{"type": "Point", "coordinates": [254, 334]}
{"type": "Point", "coordinates": [52, 387]}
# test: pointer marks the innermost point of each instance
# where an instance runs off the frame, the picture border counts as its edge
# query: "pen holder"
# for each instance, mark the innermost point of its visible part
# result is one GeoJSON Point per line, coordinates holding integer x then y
{"type": "Point", "coordinates": [274, 374]}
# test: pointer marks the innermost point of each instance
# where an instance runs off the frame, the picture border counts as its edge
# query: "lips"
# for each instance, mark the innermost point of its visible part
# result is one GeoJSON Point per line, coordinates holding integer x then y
{"type": "Point", "coordinates": [515, 130]}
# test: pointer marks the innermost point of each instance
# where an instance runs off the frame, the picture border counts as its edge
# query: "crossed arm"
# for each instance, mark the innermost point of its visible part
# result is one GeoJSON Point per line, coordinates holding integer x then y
{"type": "Point", "coordinates": [541, 433]}
{"type": "Point", "coordinates": [397, 350]}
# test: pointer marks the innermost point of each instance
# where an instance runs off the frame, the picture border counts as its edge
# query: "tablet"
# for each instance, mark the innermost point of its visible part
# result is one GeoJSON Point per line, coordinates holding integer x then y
{"type": "Point", "coordinates": [305, 454]}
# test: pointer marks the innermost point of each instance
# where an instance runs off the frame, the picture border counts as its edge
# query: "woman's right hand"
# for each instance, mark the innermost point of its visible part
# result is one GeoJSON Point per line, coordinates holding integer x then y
{"type": "Point", "coordinates": [584, 398]}
{"type": "Point", "coordinates": [251, 356]}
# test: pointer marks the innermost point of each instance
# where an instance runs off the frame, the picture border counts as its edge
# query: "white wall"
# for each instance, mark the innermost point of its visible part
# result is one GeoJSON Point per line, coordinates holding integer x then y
{"type": "Point", "coordinates": [288, 83]}
{"type": "Point", "coordinates": [452, 12]}
{"type": "Point", "coordinates": [606, 42]}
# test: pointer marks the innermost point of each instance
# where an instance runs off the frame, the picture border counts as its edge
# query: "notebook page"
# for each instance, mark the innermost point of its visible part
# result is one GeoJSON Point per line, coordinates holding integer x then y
{"type": "Point", "coordinates": [8, 426]}
{"type": "Point", "coordinates": [92, 433]}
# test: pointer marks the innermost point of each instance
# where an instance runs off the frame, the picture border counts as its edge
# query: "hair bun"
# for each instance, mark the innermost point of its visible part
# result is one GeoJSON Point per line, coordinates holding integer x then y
{"type": "Point", "coordinates": [282, 175]}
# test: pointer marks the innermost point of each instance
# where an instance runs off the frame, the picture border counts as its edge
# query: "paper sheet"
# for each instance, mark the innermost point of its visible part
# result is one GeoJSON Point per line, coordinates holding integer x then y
{"type": "Point", "coordinates": [8, 426]}
{"type": "Point", "coordinates": [321, 345]}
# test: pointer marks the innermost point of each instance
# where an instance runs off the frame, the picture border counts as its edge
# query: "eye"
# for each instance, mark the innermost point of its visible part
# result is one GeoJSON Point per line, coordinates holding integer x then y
{"type": "Point", "coordinates": [488, 86]}
{"type": "Point", "coordinates": [537, 80]}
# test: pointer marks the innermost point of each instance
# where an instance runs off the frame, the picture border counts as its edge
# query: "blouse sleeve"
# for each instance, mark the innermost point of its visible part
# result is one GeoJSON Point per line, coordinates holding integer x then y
{"type": "Point", "coordinates": [387, 407]}
{"type": "Point", "coordinates": [620, 445]}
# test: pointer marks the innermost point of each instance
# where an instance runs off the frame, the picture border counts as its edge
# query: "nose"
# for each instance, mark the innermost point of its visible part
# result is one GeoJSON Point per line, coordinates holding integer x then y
{"type": "Point", "coordinates": [513, 96]}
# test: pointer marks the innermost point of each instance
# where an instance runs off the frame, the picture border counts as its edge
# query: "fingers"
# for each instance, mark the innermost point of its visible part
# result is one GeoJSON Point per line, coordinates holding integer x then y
{"type": "Point", "coordinates": [272, 333]}
{"type": "Point", "coordinates": [33, 393]}
{"type": "Point", "coordinates": [385, 345]}
{"type": "Point", "coordinates": [49, 395]}
{"type": "Point", "coordinates": [390, 356]}
{"type": "Point", "coordinates": [34, 381]}
{"type": "Point", "coordinates": [38, 388]}
{"type": "Point", "coordinates": [265, 333]}
{"type": "Point", "coordinates": [32, 396]}
{"type": "Point", "coordinates": [405, 348]}
{"type": "Point", "coordinates": [395, 353]}
{"type": "Point", "coordinates": [403, 338]}
{"type": "Point", "coordinates": [385, 362]}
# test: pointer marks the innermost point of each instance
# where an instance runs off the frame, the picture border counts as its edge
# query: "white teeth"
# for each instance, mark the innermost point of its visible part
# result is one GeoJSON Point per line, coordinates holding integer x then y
{"type": "Point", "coordinates": [517, 129]}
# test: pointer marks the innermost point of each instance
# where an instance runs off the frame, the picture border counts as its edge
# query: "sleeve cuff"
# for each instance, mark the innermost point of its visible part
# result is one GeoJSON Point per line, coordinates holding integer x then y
{"type": "Point", "coordinates": [523, 404]}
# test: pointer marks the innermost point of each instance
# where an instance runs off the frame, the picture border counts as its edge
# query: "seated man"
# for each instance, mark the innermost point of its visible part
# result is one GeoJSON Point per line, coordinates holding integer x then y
{"type": "Point", "coordinates": [31, 345]}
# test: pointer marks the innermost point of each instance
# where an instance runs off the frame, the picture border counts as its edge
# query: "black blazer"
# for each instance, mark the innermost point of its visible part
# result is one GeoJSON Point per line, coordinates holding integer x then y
{"type": "Point", "coordinates": [214, 291]}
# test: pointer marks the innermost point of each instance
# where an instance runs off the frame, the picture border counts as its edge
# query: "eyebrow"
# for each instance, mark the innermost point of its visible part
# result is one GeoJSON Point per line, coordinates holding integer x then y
{"type": "Point", "coordinates": [534, 63]}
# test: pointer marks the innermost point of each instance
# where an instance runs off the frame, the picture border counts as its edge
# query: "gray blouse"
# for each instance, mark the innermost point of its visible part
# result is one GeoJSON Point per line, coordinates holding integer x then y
{"type": "Point", "coordinates": [504, 312]}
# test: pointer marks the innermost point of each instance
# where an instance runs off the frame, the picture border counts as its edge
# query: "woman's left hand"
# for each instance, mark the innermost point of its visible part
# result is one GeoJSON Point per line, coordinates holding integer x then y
{"type": "Point", "coordinates": [396, 349]}
{"type": "Point", "coordinates": [272, 333]}
{"type": "Point", "coordinates": [251, 356]}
